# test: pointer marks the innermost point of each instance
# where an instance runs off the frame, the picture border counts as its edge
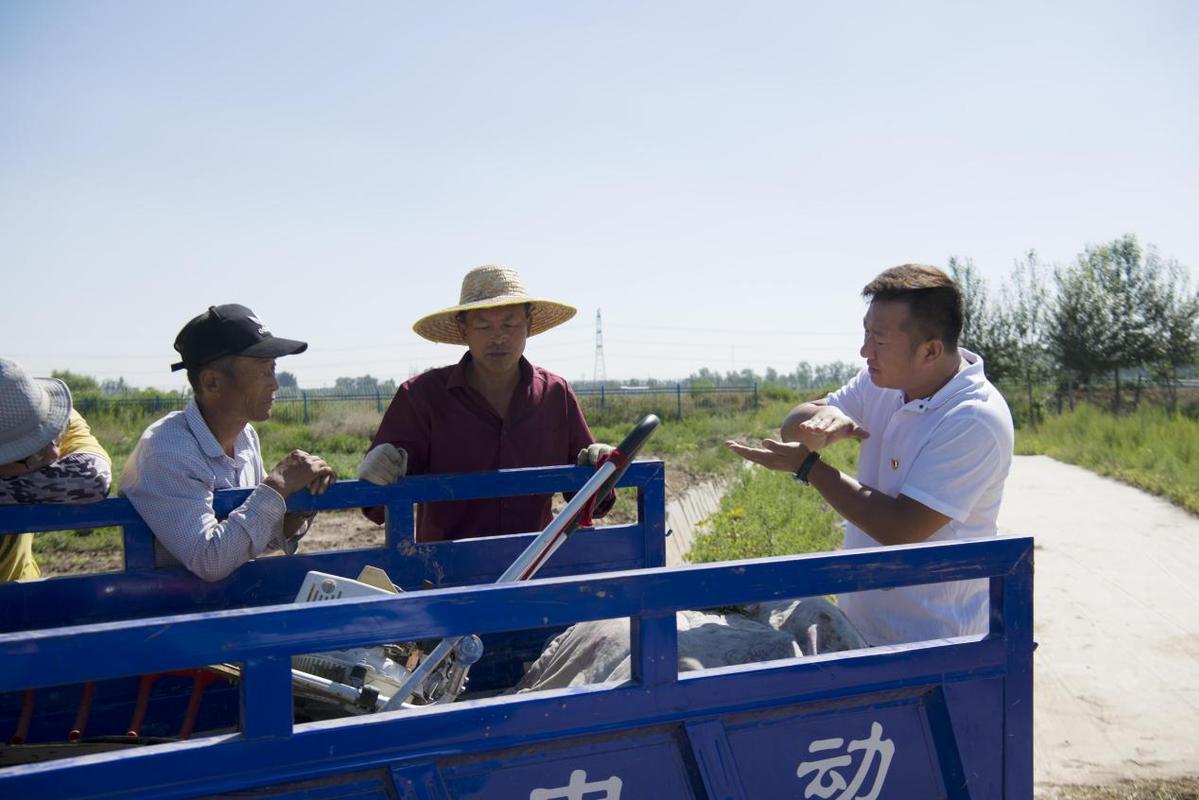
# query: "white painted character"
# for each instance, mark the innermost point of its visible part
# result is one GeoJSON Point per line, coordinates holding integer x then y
{"type": "Point", "coordinates": [579, 787]}
{"type": "Point", "coordinates": [828, 781]}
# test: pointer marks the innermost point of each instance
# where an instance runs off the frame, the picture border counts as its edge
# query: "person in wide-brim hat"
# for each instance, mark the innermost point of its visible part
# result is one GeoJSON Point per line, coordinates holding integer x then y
{"type": "Point", "coordinates": [492, 410]}
{"type": "Point", "coordinates": [47, 455]}
{"type": "Point", "coordinates": [491, 286]}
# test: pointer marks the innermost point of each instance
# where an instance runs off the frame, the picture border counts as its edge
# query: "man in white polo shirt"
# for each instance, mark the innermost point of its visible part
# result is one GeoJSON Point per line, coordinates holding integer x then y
{"type": "Point", "coordinates": [936, 449]}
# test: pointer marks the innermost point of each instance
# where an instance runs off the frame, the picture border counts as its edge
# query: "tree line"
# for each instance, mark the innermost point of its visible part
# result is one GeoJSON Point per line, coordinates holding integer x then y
{"type": "Point", "coordinates": [1118, 311]}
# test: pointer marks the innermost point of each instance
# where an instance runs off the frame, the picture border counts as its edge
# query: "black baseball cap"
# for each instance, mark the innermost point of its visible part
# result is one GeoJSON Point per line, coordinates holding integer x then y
{"type": "Point", "coordinates": [229, 330]}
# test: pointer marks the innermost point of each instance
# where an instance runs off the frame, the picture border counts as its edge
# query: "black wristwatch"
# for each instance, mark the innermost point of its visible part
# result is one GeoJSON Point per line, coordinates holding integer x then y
{"type": "Point", "coordinates": [809, 461]}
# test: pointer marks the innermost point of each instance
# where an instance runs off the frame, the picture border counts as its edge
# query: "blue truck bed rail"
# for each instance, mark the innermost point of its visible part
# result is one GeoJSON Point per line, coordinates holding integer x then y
{"type": "Point", "coordinates": [950, 718]}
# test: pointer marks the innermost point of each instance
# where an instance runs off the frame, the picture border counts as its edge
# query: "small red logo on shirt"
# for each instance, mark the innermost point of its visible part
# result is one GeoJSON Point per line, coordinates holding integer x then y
{"type": "Point", "coordinates": [895, 463]}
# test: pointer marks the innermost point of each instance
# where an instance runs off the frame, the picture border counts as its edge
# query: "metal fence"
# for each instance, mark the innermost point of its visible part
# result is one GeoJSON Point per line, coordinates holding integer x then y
{"type": "Point", "coordinates": [676, 401]}
{"type": "Point", "coordinates": [304, 406]}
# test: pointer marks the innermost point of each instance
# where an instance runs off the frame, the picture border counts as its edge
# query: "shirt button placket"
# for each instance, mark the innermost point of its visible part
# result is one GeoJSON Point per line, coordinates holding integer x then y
{"type": "Point", "coordinates": [505, 461]}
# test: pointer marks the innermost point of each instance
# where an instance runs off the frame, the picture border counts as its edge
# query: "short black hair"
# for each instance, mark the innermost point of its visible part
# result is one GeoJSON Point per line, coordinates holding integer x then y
{"type": "Point", "coordinates": [934, 300]}
{"type": "Point", "coordinates": [223, 364]}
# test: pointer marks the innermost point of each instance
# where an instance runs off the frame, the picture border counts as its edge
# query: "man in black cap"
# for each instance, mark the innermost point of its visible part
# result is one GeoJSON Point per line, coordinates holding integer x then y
{"type": "Point", "coordinates": [184, 457]}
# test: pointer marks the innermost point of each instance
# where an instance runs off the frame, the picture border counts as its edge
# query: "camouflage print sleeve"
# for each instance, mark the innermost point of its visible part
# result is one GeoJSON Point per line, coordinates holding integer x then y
{"type": "Point", "coordinates": [77, 478]}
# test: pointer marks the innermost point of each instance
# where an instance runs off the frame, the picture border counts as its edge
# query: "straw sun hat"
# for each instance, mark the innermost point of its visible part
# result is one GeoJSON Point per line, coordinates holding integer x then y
{"type": "Point", "coordinates": [33, 411]}
{"type": "Point", "coordinates": [491, 286]}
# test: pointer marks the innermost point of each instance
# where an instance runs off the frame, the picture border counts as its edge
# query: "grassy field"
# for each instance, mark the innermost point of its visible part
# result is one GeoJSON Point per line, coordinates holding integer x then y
{"type": "Point", "coordinates": [763, 513]}
{"type": "Point", "coordinates": [1150, 449]}
{"type": "Point", "coordinates": [767, 513]}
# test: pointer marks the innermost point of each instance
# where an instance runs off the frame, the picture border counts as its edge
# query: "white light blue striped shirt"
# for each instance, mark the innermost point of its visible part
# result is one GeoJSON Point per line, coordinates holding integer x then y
{"type": "Point", "coordinates": [170, 478]}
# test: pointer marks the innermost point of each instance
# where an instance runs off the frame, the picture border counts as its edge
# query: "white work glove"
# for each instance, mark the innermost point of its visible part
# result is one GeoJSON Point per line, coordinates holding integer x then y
{"type": "Point", "coordinates": [590, 455]}
{"type": "Point", "coordinates": [384, 465]}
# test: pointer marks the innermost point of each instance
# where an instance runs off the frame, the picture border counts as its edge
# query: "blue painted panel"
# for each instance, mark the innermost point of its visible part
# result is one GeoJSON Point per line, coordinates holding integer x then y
{"type": "Point", "coordinates": [882, 752]}
{"type": "Point", "coordinates": [714, 760]}
{"type": "Point", "coordinates": [635, 767]}
{"type": "Point", "coordinates": [973, 708]}
{"type": "Point", "coordinates": [65, 655]}
{"type": "Point", "coordinates": [419, 781]}
{"type": "Point", "coordinates": [172, 771]}
{"type": "Point", "coordinates": [353, 786]}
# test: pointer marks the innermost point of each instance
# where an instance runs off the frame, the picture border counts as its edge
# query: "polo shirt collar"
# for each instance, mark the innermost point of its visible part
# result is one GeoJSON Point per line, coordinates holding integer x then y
{"type": "Point", "coordinates": [208, 443]}
{"type": "Point", "coordinates": [965, 378]}
{"type": "Point", "coordinates": [457, 378]}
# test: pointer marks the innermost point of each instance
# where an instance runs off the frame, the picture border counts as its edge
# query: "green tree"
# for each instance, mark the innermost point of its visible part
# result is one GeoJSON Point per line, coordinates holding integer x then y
{"type": "Point", "coordinates": [803, 375]}
{"type": "Point", "coordinates": [75, 382]}
{"type": "Point", "coordinates": [1024, 321]}
{"type": "Point", "coordinates": [1177, 327]}
{"type": "Point", "coordinates": [986, 328]}
{"type": "Point", "coordinates": [1103, 320]}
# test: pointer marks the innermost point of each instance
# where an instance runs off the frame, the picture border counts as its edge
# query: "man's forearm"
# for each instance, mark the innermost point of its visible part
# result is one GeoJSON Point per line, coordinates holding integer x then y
{"type": "Point", "coordinates": [75, 478]}
{"type": "Point", "coordinates": [887, 520]}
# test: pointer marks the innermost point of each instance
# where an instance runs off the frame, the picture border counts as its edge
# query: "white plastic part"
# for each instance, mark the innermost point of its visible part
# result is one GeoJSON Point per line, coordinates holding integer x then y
{"type": "Point", "coordinates": [320, 586]}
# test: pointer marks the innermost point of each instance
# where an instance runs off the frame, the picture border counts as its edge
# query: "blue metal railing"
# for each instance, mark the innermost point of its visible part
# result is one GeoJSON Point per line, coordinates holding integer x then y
{"type": "Point", "coordinates": [975, 692]}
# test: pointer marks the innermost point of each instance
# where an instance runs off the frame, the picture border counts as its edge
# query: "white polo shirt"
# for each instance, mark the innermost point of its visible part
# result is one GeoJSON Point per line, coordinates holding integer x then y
{"type": "Point", "coordinates": [950, 452]}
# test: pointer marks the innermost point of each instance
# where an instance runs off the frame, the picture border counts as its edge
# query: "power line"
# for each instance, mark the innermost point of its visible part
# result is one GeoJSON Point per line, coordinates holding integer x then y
{"type": "Point", "coordinates": [746, 331]}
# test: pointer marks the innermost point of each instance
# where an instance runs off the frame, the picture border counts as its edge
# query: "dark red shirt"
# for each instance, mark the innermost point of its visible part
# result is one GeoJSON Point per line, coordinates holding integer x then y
{"type": "Point", "coordinates": [447, 426]}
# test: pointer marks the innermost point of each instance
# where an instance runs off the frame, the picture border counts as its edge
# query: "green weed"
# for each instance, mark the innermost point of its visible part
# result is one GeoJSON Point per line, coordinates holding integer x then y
{"type": "Point", "coordinates": [767, 513]}
{"type": "Point", "coordinates": [1151, 449]}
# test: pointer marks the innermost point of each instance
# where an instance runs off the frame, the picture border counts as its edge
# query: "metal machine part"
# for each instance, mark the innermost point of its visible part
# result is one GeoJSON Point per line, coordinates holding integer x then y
{"type": "Point", "coordinates": [388, 677]}
{"type": "Point", "coordinates": [362, 680]}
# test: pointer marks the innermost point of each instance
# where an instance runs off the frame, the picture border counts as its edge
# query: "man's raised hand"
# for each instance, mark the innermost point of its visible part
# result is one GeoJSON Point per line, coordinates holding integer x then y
{"type": "Point", "coordinates": [299, 470]}
{"type": "Point", "coordinates": [826, 426]}
{"type": "Point", "coordinates": [384, 465]}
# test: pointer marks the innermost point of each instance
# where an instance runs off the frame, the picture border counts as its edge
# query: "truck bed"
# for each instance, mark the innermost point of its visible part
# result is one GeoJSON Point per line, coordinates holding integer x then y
{"type": "Point", "coordinates": [948, 718]}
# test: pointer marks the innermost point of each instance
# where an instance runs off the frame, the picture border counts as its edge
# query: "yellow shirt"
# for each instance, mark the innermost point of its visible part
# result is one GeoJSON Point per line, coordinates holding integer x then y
{"type": "Point", "coordinates": [16, 552]}
{"type": "Point", "coordinates": [78, 438]}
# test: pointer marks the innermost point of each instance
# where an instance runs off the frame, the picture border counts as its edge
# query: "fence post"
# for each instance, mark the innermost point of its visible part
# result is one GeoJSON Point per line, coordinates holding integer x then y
{"type": "Point", "coordinates": [378, 401]}
{"type": "Point", "coordinates": [305, 396]}
{"type": "Point", "coordinates": [678, 396]}
{"type": "Point", "coordinates": [755, 395]}
{"type": "Point", "coordinates": [601, 398]}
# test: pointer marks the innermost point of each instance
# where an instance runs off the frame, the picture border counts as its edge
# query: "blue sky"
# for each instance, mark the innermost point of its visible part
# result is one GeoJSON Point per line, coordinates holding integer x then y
{"type": "Point", "coordinates": [720, 179]}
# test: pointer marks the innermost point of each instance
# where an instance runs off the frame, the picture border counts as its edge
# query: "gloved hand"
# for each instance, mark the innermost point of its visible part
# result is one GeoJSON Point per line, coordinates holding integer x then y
{"type": "Point", "coordinates": [590, 455]}
{"type": "Point", "coordinates": [384, 465]}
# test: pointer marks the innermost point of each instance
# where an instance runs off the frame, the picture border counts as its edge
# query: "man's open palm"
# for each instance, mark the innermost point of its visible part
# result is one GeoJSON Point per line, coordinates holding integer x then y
{"type": "Point", "coordinates": [773, 454]}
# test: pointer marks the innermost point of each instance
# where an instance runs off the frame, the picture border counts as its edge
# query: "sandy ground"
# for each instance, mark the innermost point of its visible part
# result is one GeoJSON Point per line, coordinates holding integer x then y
{"type": "Point", "coordinates": [1117, 622]}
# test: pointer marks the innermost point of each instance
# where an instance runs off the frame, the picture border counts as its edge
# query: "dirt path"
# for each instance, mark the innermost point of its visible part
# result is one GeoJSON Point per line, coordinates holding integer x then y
{"type": "Point", "coordinates": [1117, 622]}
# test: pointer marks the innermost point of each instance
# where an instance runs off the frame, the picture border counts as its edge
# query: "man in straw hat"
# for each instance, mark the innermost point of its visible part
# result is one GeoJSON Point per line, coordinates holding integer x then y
{"type": "Point", "coordinates": [47, 455]}
{"type": "Point", "coordinates": [492, 410]}
{"type": "Point", "coordinates": [187, 455]}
